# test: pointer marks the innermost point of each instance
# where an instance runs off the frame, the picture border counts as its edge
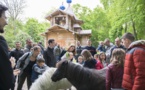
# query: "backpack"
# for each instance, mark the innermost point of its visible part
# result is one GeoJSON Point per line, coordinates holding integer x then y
{"type": "Point", "coordinates": [23, 61]}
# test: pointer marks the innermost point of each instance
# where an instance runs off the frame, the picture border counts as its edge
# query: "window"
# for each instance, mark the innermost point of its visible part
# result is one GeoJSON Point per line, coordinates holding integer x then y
{"type": "Point", "coordinates": [60, 20]}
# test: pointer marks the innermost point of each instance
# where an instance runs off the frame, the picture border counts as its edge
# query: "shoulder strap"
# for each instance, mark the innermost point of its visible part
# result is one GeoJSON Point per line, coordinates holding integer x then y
{"type": "Point", "coordinates": [26, 57]}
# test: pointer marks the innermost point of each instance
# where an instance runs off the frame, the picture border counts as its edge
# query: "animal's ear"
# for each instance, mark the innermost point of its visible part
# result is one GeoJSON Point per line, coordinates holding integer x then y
{"type": "Point", "coordinates": [64, 62]}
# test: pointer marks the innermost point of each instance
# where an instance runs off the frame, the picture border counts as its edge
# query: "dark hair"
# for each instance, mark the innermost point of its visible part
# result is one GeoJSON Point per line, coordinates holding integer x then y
{"type": "Point", "coordinates": [2, 9]}
{"type": "Point", "coordinates": [17, 42]}
{"type": "Point", "coordinates": [50, 41]}
{"type": "Point", "coordinates": [36, 48]}
{"type": "Point", "coordinates": [39, 60]}
{"type": "Point", "coordinates": [129, 36]}
{"type": "Point", "coordinates": [39, 42]}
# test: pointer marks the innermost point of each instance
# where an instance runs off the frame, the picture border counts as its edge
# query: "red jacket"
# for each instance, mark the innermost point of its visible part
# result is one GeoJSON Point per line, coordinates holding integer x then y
{"type": "Point", "coordinates": [134, 68]}
{"type": "Point", "coordinates": [99, 65]}
{"type": "Point", "coordinates": [114, 76]}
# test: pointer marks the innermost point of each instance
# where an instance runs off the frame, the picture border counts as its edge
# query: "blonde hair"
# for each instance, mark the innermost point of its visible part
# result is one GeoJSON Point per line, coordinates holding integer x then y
{"type": "Point", "coordinates": [86, 55]}
{"type": "Point", "coordinates": [118, 56]}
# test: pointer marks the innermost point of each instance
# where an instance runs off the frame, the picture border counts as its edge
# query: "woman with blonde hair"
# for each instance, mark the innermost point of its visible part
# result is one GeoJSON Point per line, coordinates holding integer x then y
{"type": "Point", "coordinates": [89, 61]}
{"type": "Point", "coordinates": [114, 73]}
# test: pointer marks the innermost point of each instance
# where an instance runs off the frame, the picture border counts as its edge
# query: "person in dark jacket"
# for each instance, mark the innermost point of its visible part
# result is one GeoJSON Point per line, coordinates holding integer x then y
{"type": "Point", "coordinates": [101, 47]}
{"type": "Point", "coordinates": [90, 48]}
{"type": "Point", "coordinates": [117, 45]}
{"type": "Point", "coordinates": [49, 54]}
{"type": "Point", "coordinates": [114, 73]}
{"type": "Point", "coordinates": [57, 51]}
{"type": "Point", "coordinates": [29, 45]}
{"type": "Point", "coordinates": [41, 46]}
{"type": "Point", "coordinates": [17, 52]}
{"type": "Point", "coordinates": [78, 50]}
{"type": "Point", "coordinates": [6, 71]}
{"type": "Point", "coordinates": [89, 61]}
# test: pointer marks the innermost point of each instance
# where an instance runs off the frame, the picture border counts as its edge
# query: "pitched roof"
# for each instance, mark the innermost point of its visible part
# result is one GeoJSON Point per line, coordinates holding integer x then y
{"type": "Point", "coordinates": [68, 11]}
{"type": "Point", "coordinates": [84, 32]}
{"type": "Point", "coordinates": [56, 27]}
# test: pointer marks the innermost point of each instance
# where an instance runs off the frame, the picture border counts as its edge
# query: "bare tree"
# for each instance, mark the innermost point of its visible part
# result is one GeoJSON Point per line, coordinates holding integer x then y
{"type": "Point", "coordinates": [15, 7]}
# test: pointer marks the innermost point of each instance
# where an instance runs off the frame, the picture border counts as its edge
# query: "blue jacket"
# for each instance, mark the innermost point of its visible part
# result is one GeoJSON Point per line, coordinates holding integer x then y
{"type": "Point", "coordinates": [101, 48]}
{"type": "Point", "coordinates": [37, 71]}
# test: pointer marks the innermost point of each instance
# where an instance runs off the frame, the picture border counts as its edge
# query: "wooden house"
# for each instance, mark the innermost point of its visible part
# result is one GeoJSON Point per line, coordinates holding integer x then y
{"type": "Point", "coordinates": [65, 28]}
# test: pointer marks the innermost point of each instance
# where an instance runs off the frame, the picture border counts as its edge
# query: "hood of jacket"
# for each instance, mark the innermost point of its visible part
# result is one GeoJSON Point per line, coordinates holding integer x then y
{"type": "Point", "coordinates": [139, 43]}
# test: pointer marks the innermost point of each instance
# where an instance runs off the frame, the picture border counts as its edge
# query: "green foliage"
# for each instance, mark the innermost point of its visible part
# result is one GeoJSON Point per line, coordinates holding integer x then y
{"type": "Point", "coordinates": [96, 20]}
{"type": "Point", "coordinates": [18, 31]}
{"type": "Point", "coordinates": [113, 19]}
{"type": "Point", "coordinates": [35, 29]}
{"type": "Point", "coordinates": [22, 37]}
{"type": "Point", "coordinates": [130, 13]}
{"type": "Point", "coordinates": [110, 21]}
{"type": "Point", "coordinates": [11, 31]}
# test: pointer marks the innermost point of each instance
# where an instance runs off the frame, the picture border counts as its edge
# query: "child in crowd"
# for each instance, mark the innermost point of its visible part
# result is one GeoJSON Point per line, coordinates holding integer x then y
{"type": "Point", "coordinates": [101, 62]}
{"type": "Point", "coordinates": [38, 68]}
{"type": "Point", "coordinates": [96, 56]}
{"type": "Point", "coordinates": [80, 60]}
{"type": "Point", "coordinates": [114, 73]}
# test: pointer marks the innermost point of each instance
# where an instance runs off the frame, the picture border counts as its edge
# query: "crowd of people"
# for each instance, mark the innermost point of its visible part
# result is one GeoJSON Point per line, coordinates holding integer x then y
{"type": "Point", "coordinates": [124, 60]}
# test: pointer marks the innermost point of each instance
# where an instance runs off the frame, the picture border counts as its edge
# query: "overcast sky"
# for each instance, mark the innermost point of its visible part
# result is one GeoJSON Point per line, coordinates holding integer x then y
{"type": "Point", "coordinates": [38, 8]}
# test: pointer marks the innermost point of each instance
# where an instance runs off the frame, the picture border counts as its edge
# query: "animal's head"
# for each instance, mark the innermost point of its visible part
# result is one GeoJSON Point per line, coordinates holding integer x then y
{"type": "Point", "coordinates": [60, 72]}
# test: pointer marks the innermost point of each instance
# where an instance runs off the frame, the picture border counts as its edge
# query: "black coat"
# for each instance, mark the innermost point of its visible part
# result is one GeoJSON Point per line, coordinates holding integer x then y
{"type": "Point", "coordinates": [16, 54]}
{"type": "Point", "coordinates": [49, 57]}
{"type": "Point", "coordinates": [62, 53]}
{"type": "Point", "coordinates": [90, 64]}
{"type": "Point", "coordinates": [6, 71]}
{"type": "Point", "coordinates": [91, 49]}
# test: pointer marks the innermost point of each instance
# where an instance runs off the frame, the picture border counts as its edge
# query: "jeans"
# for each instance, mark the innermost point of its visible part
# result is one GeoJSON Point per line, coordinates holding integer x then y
{"type": "Point", "coordinates": [22, 78]}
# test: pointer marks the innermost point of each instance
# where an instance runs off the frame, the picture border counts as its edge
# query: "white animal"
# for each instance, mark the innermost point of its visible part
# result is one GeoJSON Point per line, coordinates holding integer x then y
{"type": "Point", "coordinates": [44, 82]}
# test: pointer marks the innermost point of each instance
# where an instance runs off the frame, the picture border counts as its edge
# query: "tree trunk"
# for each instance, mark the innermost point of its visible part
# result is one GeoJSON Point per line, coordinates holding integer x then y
{"type": "Point", "coordinates": [125, 30]}
{"type": "Point", "coordinates": [134, 29]}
